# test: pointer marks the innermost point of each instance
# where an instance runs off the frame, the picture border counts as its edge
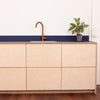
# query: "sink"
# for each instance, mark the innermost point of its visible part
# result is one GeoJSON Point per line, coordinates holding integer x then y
{"type": "Point", "coordinates": [43, 41]}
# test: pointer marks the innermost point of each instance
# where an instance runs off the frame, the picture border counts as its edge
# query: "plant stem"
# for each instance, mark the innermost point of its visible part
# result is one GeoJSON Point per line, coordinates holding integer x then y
{"type": "Point", "coordinates": [78, 33]}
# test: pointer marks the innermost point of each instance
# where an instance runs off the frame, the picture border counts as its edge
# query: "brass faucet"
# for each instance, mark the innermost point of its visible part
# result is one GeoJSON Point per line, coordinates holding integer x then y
{"type": "Point", "coordinates": [43, 38]}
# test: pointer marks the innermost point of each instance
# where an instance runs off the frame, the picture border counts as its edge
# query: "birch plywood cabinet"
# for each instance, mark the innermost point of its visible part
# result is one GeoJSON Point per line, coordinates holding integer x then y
{"type": "Point", "coordinates": [12, 55]}
{"type": "Point", "coordinates": [12, 79]}
{"type": "Point", "coordinates": [43, 78]}
{"type": "Point", "coordinates": [44, 55]}
{"type": "Point", "coordinates": [78, 55]}
{"type": "Point", "coordinates": [79, 66]}
{"type": "Point", "coordinates": [78, 78]}
{"type": "Point", "coordinates": [48, 67]}
{"type": "Point", "coordinates": [12, 67]}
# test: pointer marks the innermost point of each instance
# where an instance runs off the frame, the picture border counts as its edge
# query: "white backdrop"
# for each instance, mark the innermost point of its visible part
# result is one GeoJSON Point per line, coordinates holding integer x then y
{"type": "Point", "coordinates": [18, 17]}
{"type": "Point", "coordinates": [96, 32]}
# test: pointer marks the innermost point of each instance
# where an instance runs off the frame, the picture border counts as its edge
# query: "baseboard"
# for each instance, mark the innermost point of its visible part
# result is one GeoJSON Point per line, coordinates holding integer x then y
{"type": "Point", "coordinates": [47, 92]}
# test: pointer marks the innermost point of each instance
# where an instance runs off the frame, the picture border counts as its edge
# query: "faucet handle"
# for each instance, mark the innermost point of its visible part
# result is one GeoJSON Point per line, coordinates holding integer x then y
{"type": "Point", "coordinates": [43, 38]}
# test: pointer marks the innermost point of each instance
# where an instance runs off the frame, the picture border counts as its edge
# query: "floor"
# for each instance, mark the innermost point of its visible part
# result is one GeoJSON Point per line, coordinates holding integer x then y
{"type": "Point", "coordinates": [52, 96]}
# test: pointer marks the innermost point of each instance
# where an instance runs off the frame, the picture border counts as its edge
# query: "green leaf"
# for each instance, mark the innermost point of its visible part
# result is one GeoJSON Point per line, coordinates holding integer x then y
{"type": "Point", "coordinates": [71, 28]}
{"type": "Point", "coordinates": [73, 24]}
{"type": "Point", "coordinates": [77, 27]}
{"type": "Point", "coordinates": [73, 31]}
{"type": "Point", "coordinates": [77, 20]}
{"type": "Point", "coordinates": [82, 23]}
{"type": "Point", "coordinates": [82, 29]}
{"type": "Point", "coordinates": [76, 30]}
{"type": "Point", "coordinates": [85, 25]}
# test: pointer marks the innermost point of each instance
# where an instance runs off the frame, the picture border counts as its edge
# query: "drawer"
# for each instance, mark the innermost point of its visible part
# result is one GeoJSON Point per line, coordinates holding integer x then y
{"type": "Point", "coordinates": [44, 55]}
{"type": "Point", "coordinates": [12, 55]}
{"type": "Point", "coordinates": [12, 79]}
{"type": "Point", "coordinates": [43, 78]}
{"type": "Point", "coordinates": [78, 78]}
{"type": "Point", "coordinates": [76, 55]}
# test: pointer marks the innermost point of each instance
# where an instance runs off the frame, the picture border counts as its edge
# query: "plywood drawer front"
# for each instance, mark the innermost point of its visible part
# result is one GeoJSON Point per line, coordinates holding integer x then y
{"type": "Point", "coordinates": [12, 79]}
{"type": "Point", "coordinates": [44, 55]}
{"type": "Point", "coordinates": [76, 55]}
{"type": "Point", "coordinates": [78, 78]}
{"type": "Point", "coordinates": [12, 55]}
{"type": "Point", "coordinates": [43, 78]}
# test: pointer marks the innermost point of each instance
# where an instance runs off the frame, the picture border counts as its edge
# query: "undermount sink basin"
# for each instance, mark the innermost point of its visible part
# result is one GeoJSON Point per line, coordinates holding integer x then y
{"type": "Point", "coordinates": [43, 41]}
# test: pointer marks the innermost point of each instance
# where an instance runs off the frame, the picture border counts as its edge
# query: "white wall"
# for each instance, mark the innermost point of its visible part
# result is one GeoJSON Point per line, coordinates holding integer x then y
{"type": "Point", "coordinates": [18, 17]}
{"type": "Point", "coordinates": [96, 32]}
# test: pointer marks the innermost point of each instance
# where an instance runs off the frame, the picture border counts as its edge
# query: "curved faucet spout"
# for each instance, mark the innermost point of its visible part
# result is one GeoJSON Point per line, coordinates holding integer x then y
{"type": "Point", "coordinates": [38, 23]}
{"type": "Point", "coordinates": [43, 38]}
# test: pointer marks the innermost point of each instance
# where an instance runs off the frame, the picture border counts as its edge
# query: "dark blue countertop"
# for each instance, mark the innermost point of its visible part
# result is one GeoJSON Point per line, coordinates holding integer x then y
{"type": "Point", "coordinates": [38, 38]}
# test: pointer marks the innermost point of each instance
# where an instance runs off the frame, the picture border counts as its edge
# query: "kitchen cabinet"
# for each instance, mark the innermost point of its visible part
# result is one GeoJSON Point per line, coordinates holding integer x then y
{"type": "Point", "coordinates": [12, 79]}
{"type": "Point", "coordinates": [78, 55]}
{"type": "Point", "coordinates": [43, 78]}
{"type": "Point", "coordinates": [59, 67]}
{"type": "Point", "coordinates": [44, 55]}
{"type": "Point", "coordinates": [78, 78]}
{"type": "Point", "coordinates": [12, 55]}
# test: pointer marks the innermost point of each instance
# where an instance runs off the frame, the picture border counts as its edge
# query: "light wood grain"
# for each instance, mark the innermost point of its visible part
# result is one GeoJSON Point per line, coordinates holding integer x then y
{"type": "Point", "coordinates": [52, 42]}
{"type": "Point", "coordinates": [12, 79]}
{"type": "Point", "coordinates": [12, 55]}
{"type": "Point", "coordinates": [78, 78]}
{"type": "Point", "coordinates": [76, 64]}
{"type": "Point", "coordinates": [78, 55]}
{"type": "Point", "coordinates": [44, 55]}
{"type": "Point", "coordinates": [43, 78]}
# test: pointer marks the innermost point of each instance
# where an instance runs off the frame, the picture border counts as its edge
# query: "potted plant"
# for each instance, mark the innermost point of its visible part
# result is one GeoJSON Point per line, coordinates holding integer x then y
{"type": "Point", "coordinates": [78, 28]}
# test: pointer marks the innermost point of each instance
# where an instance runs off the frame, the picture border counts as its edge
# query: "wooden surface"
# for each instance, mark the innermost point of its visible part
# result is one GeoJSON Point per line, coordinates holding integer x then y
{"type": "Point", "coordinates": [12, 79]}
{"type": "Point", "coordinates": [78, 78]}
{"type": "Point", "coordinates": [40, 42]}
{"type": "Point", "coordinates": [43, 78]}
{"type": "Point", "coordinates": [52, 96]}
{"type": "Point", "coordinates": [12, 55]}
{"type": "Point", "coordinates": [78, 55]}
{"type": "Point", "coordinates": [44, 55]}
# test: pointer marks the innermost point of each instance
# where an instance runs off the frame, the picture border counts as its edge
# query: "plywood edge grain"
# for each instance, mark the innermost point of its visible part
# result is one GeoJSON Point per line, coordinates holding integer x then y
{"type": "Point", "coordinates": [96, 70]}
{"type": "Point", "coordinates": [79, 42]}
{"type": "Point", "coordinates": [48, 42]}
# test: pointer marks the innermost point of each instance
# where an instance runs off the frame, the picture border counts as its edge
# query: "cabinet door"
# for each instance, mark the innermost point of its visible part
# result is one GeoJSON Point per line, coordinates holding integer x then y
{"type": "Point", "coordinates": [43, 78]}
{"type": "Point", "coordinates": [78, 55]}
{"type": "Point", "coordinates": [44, 55]}
{"type": "Point", "coordinates": [12, 79]}
{"type": "Point", "coordinates": [12, 55]}
{"type": "Point", "coordinates": [78, 78]}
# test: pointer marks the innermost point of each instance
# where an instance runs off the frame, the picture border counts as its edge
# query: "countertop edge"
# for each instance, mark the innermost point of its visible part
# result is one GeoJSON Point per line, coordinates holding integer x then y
{"type": "Point", "coordinates": [91, 42]}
